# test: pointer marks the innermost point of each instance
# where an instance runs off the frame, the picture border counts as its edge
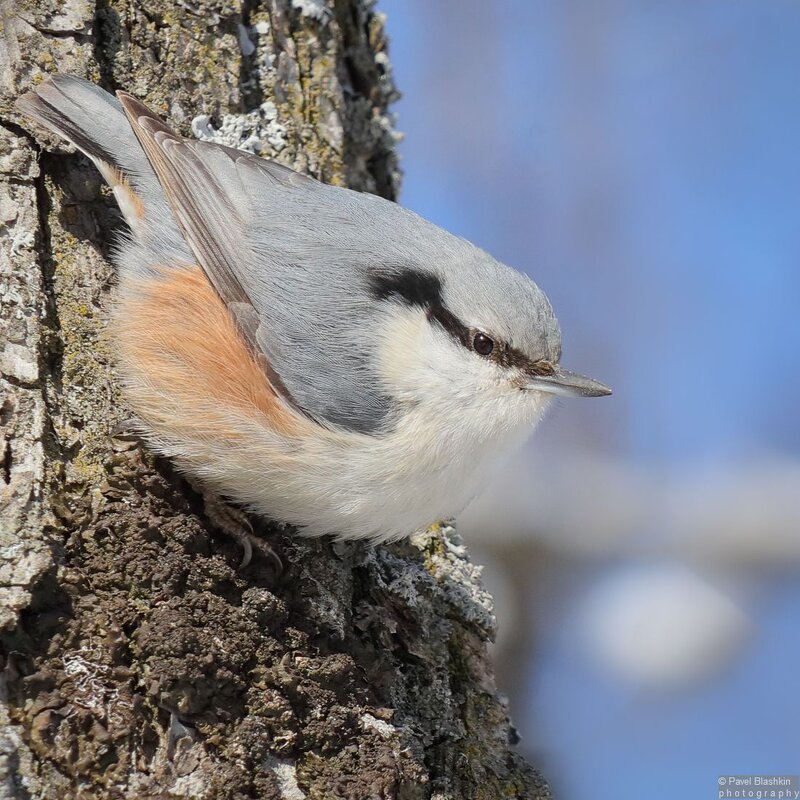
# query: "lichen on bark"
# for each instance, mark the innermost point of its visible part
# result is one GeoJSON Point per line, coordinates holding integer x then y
{"type": "Point", "coordinates": [139, 662]}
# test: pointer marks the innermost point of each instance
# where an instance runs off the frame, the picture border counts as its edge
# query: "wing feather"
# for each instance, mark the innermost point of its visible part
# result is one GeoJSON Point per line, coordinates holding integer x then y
{"type": "Point", "coordinates": [293, 260]}
{"type": "Point", "coordinates": [204, 212]}
{"type": "Point", "coordinates": [200, 205]}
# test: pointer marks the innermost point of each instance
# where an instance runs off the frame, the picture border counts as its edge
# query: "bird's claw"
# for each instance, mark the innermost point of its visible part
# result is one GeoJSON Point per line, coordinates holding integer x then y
{"type": "Point", "coordinates": [236, 524]}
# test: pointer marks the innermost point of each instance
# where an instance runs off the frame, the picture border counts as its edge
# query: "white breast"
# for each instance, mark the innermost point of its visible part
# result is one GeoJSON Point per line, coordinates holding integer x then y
{"type": "Point", "coordinates": [457, 417]}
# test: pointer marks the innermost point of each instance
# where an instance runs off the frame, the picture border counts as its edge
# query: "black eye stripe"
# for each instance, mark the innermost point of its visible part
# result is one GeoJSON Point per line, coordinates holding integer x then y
{"type": "Point", "coordinates": [421, 289]}
{"type": "Point", "coordinates": [451, 323]}
{"type": "Point", "coordinates": [414, 287]}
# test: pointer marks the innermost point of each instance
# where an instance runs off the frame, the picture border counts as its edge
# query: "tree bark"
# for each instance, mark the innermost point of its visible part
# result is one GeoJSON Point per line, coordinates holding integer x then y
{"type": "Point", "coordinates": [139, 661]}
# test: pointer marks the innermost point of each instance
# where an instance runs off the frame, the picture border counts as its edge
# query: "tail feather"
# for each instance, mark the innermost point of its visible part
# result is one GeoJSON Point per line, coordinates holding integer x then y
{"type": "Point", "coordinates": [64, 104]}
{"type": "Point", "coordinates": [94, 121]}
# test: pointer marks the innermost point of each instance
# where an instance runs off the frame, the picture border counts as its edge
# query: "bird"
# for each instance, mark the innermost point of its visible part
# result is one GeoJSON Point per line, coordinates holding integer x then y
{"type": "Point", "coordinates": [311, 354]}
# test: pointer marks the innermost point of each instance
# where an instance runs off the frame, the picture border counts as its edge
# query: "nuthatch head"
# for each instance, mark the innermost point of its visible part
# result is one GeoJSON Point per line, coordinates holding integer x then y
{"type": "Point", "coordinates": [323, 357]}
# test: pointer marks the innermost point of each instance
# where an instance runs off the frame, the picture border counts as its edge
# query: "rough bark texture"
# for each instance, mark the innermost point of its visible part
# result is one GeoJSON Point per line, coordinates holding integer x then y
{"type": "Point", "coordinates": [139, 662]}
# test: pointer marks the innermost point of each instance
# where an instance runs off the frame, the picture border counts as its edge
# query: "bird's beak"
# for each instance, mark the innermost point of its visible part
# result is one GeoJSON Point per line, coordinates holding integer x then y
{"type": "Point", "coordinates": [568, 384]}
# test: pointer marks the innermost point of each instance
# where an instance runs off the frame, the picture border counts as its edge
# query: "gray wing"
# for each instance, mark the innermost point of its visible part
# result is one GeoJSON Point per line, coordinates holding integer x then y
{"type": "Point", "coordinates": [293, 260]}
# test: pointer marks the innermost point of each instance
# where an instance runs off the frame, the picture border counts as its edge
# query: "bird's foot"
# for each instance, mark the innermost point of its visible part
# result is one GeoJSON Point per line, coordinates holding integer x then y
{"type": "Point", "coordinates": [235, 523]}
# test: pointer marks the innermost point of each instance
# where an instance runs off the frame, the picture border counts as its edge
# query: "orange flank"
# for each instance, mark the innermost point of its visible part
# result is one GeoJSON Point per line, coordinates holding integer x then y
{"type": "Point", "coordinates": [188, 369]}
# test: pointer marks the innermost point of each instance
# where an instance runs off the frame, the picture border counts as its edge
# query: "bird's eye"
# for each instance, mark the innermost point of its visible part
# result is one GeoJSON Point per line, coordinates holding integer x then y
{"type": "Point", "coordinates": [482, 344]}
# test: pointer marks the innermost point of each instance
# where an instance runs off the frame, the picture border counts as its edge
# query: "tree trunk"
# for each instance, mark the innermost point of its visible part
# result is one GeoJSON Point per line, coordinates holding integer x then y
{"type": "Point", "coordinates": [139, 661]}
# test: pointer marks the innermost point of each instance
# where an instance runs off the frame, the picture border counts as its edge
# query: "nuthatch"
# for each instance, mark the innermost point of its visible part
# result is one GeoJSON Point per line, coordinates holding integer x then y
{"type": "Point", "coordinates": [320, 356]}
